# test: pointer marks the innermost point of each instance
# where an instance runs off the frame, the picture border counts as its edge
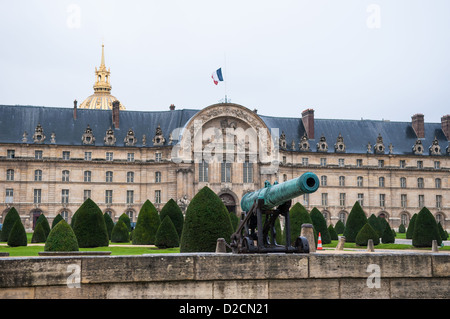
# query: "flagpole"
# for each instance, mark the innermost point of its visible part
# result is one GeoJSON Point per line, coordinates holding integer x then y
{"type": "Point", "coordinates": [225, 80]}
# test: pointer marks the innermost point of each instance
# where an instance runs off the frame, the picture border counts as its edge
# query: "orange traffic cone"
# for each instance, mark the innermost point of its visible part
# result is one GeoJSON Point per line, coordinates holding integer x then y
{"type": "Point", "coordinates": [319, 243]}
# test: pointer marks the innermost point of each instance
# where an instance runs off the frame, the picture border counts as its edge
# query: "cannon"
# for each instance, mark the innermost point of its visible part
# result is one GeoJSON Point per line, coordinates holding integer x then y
{"type": "Point", "coordinates": [261, 209]}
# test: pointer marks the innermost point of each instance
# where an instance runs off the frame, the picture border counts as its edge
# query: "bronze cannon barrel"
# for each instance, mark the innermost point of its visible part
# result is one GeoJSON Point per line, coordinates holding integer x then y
{"type": "Point", "coordinates": [277, 194]}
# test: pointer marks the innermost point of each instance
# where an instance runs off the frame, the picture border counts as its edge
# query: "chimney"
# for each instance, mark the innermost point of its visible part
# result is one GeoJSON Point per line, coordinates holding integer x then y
{"type": "Point", "coordinates": [445, 124]}
{"type": "Point", "coordinates": [308, 122]}
{"type": "Point", "coordinates": [75, 109]}
{"type": "Point", "coordinates": [115, 113]}
{"type": "Point", "coordinates": [418, 125]}
{"type": "Point", "coordinates": [172, 107]}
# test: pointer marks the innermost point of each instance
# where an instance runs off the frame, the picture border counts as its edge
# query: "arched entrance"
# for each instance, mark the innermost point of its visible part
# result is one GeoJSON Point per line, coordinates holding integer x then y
{"type": "Point", "coordinates": [35, 213]}
{"type": "Point", "coordinates": [229, 202]}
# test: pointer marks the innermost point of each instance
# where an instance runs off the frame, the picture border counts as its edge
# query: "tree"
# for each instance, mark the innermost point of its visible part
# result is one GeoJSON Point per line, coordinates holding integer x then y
{"type": "Point", "coordinates": [119, 233]}
{"type": "Point", "coordinates": [147, 225]}
{"type": "Point", "coordinates": [320, 225]}
{"type": "Point", "coordinates": [172, 210]}
{"type": "Point", "coordinates": [61, 238]}
{"type": "Point", "coordinates": [89, 226]}
{"type": "Point", "coordinates": [8, 223]}
{"type": "Point", "coordinates": [167, 235]}
{"type": "Point", "coordinates": [38, 234]}
{"type": "Point", "coordinates": [339, 227]}
{"type": "Point", "coordinates": [17, 236]}
{"type": "Point", "coordinates": [425, 229]}
{"type": "Point", "coordinates": [401, 229]}
{"type": "Point", "coordinates": [56, 220]}
{"type": "Point", "coordinates": [126, 219]}
{"type": "Point", "coordinates": [109, 224]}
{"type": "Point", "coordinates": [207, 219]}
{"type": "Point", "coordinates": [298, 215]}
{"type": "Point", "coordinates": [388, 236]}
{"type": "Point", "coordinates": [45, 225]}
{"type": "Point", "coordinates": [366, 232]}
{"type": "Point", "coordinates": [410, 230]}
{"type": "Point", "coordinates": [355, 221]}
{"type": "Point", "coordinates": [333, 233]}
{"type": "Point", "coordinates": [376, 224]}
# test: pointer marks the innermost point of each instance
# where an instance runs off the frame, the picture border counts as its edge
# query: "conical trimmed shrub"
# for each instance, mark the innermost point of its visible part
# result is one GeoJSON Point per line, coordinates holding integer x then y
{"type": "Point", "coordinates": [61, 238]}
{"type": "Point", "coordinates": [410, 230]}
{"type": "Point", "coordinates": [109, 224]}
{"type": "Point", "coordinates": [366, 232]}
{"type": "Point", "coordinates": [333, 234]}
{"type": "Point", "coordinates": [339, 227]}
{"type": "Point", "coordinates": [56, 220]}
{"type": "Point", "coordinates": [207, 219]}
{"type": "Point", "coordinates": [8, 223]}
{"type": "Point", "coordinates": [172, 210]}
{"type": "Point", "coordinates": [320, 225]}
{"type": "Point", "coordinates": [442, 232]}
{"type": "Point", "coordinates": [376, 224]}
{"type": "Point", "coordinates": [402, 229]}
{"type": "Point", "coordinates": [45, 225]}
{"type": "Point", "coordinates": [355, 221]}
{"type": "Point", "coordinates": [89, 226]}
{"type": "Point", "coordinates": [38, 234]}
{"type": "Point", "coordinates": [147, 225]}
{"type": "Point", "coordinates": [126, 219]}
{"type": "Point", "coordinates": [17, 236]}
{"type": "Point", "coordinates": [119, 233]}
{"type": "Point", "coordinates": [388, 236]}
{"type": "Point", "coordinates": [298, 215]}
{"type": "Point", "coordinates": [425, 230]}
{"type": "Point", "coordinates": [167, 235]}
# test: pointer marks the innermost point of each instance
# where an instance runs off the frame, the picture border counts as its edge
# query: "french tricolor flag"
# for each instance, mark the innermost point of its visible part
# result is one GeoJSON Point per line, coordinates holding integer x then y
{"type": "Point", "coordinates": [217, 76]}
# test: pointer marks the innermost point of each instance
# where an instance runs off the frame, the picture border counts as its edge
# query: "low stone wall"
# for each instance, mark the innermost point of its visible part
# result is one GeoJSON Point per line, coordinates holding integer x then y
{"type": "Point", "coordinates": [214, 276]}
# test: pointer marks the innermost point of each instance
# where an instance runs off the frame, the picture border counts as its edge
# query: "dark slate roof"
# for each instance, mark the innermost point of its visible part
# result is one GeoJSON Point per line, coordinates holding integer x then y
{"type": "Point", "coordinates": [14, 120]}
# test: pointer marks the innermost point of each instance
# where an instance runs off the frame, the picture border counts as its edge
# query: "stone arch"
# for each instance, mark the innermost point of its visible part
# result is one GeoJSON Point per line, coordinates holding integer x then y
{"type": "Point", "coordinates": [230, 200]}
{"type": "Point", "coordinates": [405, 218]}
{"type": "Point", "coordinates": [383, 214]}
{"type": "Point", "coordinates": [34, 215]}
{"type": "Point", "coordinates": [131, 212]}
{"type": "Point", "coordinates": [342, 216]}
{"type": "Point", "coordinates": [69, 216]}
{"type": "Point", "coordinates": [111, 212]}
{"type": "Point", "coordinates": [441, 217]}
{"type": "Point", "coordinates": [327, 215]}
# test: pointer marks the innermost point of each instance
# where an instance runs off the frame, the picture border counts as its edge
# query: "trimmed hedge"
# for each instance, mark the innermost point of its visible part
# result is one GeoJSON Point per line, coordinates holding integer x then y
{"type": "Point", "coordinates": [388, 236]}
{"type": "Point", "coordinates": [124, 217]}
{"type": "Point", "coordinates": [17, 236]}
{"type": "Point", "coordinates": [207, 219]}
{"type": "Point", "coordinates": [119, 233]}
{"type": "Point", "coordinates": [298, 215]}
{"type": "Point", "coordinates": [56, 220]}
{"type": "Point", "coordinates": [39, 234]}
{"type": "Point", "coordinates": [147, 225]}
{"type": "Point", "coordinates": [45, 225]}
{"type": "Point", "coordinates": [339, 227]}
{"type": "Point", "coordinates": [402, 229]}
{"type": "Point", "coordinates": [410, 230]}
{"type": "Point", "coordinates": [355, 221]}
{"type": "Point", "coordinates": [167, 235]}
{"type": "Point", "coordinates": [425, 230]}
{"type": "Point", "coordinates": [172, 210]}
{"type": "Point", "coordinates": [333, 233]}
{"type": "Point", "coordinates": [376, 224]}
{"type": "Point", "coordinates": [367, 232]}
{"type": "Point", "coordinates": [442, 232]}
{"type": "Point", "coordinates": [61, 238]}
{"type": "Point", "coordinates": [109, 224]}
{"type": "Point", "coordinates": [8, 223]}
{"type": "Point", "coordinates": [320, 225]}
{"type": "Point", "coordinates": [89, 226]}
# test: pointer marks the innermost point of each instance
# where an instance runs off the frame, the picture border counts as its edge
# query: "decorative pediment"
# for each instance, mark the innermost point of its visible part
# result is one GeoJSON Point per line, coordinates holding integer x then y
{"type": "Point", "coordinates": [38, 136]}
{"type": "Point", "coordinates": [88, 137]}
{"type": "Point", "coordinates": [130, 139]}
{"type": "Point", "coordinates": [322, 145]}
{"type": "Point", "coordinates": [282, 141]}
{"type": "Point", "coordinates": [418, 148]}
{"type": "Point", "coordinates": [110, 139]}
{"type": "Point", "coordinates": [304, 143]}
{"type": "Point", "coordinates": [435, 149]}
{"type": "Point", "coordinates": [158, 139]}
{"type": "Point", "coordinates": [379, 145]}
{"type": "Point", "coordinates": [339, 147]}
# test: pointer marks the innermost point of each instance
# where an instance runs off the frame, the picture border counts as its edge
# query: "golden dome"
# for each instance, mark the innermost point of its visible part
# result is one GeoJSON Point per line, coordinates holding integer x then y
{"type": "Point", "coordinates": [102, 98]}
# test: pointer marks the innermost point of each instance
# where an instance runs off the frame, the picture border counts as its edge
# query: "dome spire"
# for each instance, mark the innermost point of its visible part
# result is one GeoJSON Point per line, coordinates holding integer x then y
{"type": "Point", "coordinates": [103, 55]}
{"type": "Point", "coordinates": [102, 83]}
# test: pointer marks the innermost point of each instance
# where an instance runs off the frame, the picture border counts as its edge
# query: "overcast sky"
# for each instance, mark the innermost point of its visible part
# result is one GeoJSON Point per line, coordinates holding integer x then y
{"type": "Point", "coordinates": [346, 59]}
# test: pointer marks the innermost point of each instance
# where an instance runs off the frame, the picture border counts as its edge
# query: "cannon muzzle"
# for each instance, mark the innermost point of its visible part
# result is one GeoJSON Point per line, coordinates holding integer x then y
{"type": "Point", "coordinates": [277, 194]}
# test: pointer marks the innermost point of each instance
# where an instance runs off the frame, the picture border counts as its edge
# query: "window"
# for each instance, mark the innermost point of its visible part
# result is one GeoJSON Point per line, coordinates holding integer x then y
{"type": "Point", "coordinates": [109, 156]}
{"type": "Point", "coordinates": [359, 181]}
{"type": "Point", "coordinates": [381, 182]}
{"type": "Point", "coordinates": [65, 196]}
{"type": "Point", "coordinates": [203, 171]}
{"type": "Point", "coordinates": [225, 172]}
{"type": "Point", "coordinates": [403, 182]}
{"type": "Point", "coordinates": [65, 215]}
{"type": "Point", "coordinates": [306, 199]}
{"type": "Point", "coordinates": [342, 216]}
{"type": "Point", "coordinates": [421, 201]}
{"type": "Point", "coordinates": [419, 164]}
{"type": "Point", "coordinates": [108, 196]}
{"type": "Point", "coordinates": [323, 180]}
{"type": "Point", "coordinates": [130, 214]}
{"type": "Point", "coordinates": [304, 161]}
{"type": "Point", "coordinates": [439, 201]}
{"type": "Point", "coordinates": [403, 200]}
{"type": "Point", "coordinates": [87, 176]}
{"type": "Point", "coordinates": [157, 177]}
{"type": "Point", "coordinates": [342, 199]}
{"type": "Point", "coordinates": [361, 199]}
{"type": "Point", "coordinates": [284, 177]}
{"type": "Point", "coordinates": [65, 176]}
{"type": "Point", "coordinates": [109, 177]}
{"type": "Point", "coordinates": [439, 218]}
{"type": "Point", "coordinates": [323, 162]}
{"type": "Point", "coordinates": [402, 163]}
{"type": "Point", "coordinates": [37, 196]}
{"type": "Point", "coordinates": [158, 197]}
{"type": "Point", "coordinates": [10, 175]}
{"type": "Point", "coordinates": [158, 157]}
{"type": "Point", "coordinates": [380, 163]}
{"type": "Point", "coordinates": [130, 197]}
{"type": "Point", "coordinates": [37, 175]}
{"type": "Point", "coordinates": [437, 164]}
{"type": "Point", "coordinates": [341, 162]}
{"type": "Point", "coordinates": [66, 155]}
{"type": "Point", "coordinates": [248, 172]}
{"type": "Point", "coordinates": [420, 182]}
{"type": "Point", "coordinates": [404, 219]}
{"type": "Point", "coordinates": [341, 180]}
{"type": "Point", "coordinates": [130, 177]}
{"type": "Point", "coordinates": [382, 200]}
{"type": "Point", "coordinates": [284, 159]}
{"type": "Point", "coordinates": [324, 199]}
{"type": "Point", "coordinates": [9, 199]}
{"type": "Point", "coordinates": [437, 183]}
{"type": "Point", "coordinates": [88, 156]}
{"type": "Point", "coordinates": [10, 154]}
{"type": "Point", "coordinates": [130, 157]}
{"type": "Point", "coordinates": [86, 194]}
{"type": "Point", "coordinates": [359, 163]}
{"type": "Point", "coordinates": [38, 155]}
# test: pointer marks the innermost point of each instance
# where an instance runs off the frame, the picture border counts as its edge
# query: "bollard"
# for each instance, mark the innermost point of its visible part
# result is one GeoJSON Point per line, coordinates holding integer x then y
{"type": "Point", "coordinates": [370, 245]}
{"type": "Point", "coordinates": [308, 233]}
{"type": "Point", "coordinates": [434, 246]}
{"type": "Point", "coordinates": [340, 245]}
{"type": "Point", "coordinates": [221, 246]}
